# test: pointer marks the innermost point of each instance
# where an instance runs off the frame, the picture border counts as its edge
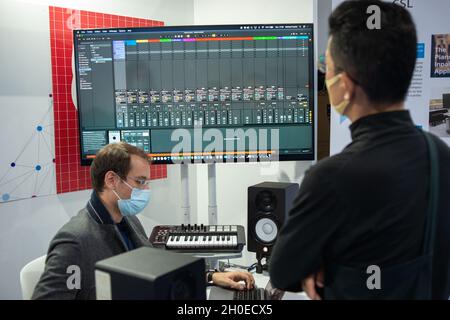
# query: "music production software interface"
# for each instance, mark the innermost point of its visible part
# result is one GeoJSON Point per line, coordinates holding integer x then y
{"type": "Point", "coordinates": [140, 85]}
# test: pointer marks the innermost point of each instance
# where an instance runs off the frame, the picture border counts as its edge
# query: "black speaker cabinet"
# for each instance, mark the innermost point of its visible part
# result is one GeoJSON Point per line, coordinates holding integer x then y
{"type": "Point", "coordinates": [148, 273]}
{"type": "Point", "coordinates": [268, 206]}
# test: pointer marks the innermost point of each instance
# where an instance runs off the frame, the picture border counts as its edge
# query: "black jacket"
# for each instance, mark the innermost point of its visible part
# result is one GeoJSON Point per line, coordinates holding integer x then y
{"type": "Point", "coordinates": [367, 206]}
{"type": "Point", "coordinates": [87, 238]}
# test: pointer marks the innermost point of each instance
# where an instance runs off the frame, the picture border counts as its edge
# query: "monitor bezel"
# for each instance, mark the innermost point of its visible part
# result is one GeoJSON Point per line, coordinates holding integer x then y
{"type": "Point", "coordinates": [281, 157]}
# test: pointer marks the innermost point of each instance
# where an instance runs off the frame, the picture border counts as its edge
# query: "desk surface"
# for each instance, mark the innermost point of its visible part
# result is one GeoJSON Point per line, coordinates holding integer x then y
{"type": "Point", "coordinates": [440, 130]}
{"type": "Point", "coordinates": [261, 282]}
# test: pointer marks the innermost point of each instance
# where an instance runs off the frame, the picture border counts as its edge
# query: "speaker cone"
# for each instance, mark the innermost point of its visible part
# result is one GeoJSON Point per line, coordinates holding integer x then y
{"type": "Point", "coordinates": [266, 230]}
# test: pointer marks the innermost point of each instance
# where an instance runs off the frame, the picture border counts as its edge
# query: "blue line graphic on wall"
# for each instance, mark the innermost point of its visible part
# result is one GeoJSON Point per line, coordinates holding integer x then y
{"type": "Point", "coordinates": [32, 172]}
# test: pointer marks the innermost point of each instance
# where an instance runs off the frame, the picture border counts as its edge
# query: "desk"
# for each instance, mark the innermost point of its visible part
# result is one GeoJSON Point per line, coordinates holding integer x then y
{"type": "Point", "coordinates": [440, 130]}
{"type": "Point", "coordinates": [261, 282]}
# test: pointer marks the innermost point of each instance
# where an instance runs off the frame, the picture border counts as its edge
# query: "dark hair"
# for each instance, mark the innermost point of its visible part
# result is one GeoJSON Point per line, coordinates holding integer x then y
{"type": "Point", "coordinates": [113, 157]}
{"type": "Point", "coordinates": [381, 61]}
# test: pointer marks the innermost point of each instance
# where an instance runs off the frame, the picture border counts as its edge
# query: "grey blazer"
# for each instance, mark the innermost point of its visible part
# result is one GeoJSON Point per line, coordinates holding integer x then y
{"type": "Point", "coordinates": [82, 242]}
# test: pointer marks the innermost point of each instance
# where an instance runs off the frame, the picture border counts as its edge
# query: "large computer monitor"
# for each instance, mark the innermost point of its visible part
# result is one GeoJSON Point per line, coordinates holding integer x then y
{"type": "Point", "coordinates": [198, 93]}
{"type": "Point", "coordinates": [446, 100]}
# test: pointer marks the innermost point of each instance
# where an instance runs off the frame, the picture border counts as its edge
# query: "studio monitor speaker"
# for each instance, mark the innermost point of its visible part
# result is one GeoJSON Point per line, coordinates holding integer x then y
{"type": "Point", "coordinates": [268, 206]}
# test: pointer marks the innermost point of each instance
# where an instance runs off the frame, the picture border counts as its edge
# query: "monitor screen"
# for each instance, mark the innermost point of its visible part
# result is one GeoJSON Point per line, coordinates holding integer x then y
{"type": "Point", "coordinates": [446, 100]}
{"type": "Point", "coordinates": [198, 93]}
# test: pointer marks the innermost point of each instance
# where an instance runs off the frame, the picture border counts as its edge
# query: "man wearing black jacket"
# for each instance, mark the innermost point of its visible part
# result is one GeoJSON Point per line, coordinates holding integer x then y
{"type": "Point", "coordinates": [366, 208]}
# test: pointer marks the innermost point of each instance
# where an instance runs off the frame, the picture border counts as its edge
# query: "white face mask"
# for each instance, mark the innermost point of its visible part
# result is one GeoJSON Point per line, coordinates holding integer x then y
{"type": "Point", "coordinates": [340, 107]}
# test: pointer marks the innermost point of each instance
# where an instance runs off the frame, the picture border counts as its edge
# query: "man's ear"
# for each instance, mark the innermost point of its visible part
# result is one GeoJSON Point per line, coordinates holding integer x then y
{"type": "Point", "coordinates": [348, 86]}
{"type": "Point", "coordinates": [110, 180]}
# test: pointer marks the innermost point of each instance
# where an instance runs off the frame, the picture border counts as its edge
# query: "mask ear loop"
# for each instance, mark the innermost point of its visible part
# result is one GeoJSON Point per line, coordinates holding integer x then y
{"type": "Point", "coordinates": [123, 181]}
{"type": "Point", "coordinates": [127, 184]}
{"type": "Point", "coordinates": [114, 191]}
{"type": "Point", "coordinates": [116, 194]}
{"type": "Point", "coordinates": [331, 82]}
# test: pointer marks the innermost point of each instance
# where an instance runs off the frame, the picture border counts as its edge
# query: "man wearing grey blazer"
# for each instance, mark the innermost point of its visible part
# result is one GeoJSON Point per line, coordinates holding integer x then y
{"type": "Point", "coordinates": [107, 226]}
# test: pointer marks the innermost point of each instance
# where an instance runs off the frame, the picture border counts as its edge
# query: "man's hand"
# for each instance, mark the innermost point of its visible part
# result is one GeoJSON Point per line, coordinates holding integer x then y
{"type": "Point", "coordinates": [231, 280]}
{"type": "Point", "coordinates": [310, 283]}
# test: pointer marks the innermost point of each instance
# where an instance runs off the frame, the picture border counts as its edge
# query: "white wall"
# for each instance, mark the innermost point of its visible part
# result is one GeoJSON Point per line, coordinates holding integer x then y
{"type": "Point", "coordinates": [437, 92]}
{"type": "Point", "coordinates": [324, 9]}
{"type": "Point", "coordinates": [252, 11]}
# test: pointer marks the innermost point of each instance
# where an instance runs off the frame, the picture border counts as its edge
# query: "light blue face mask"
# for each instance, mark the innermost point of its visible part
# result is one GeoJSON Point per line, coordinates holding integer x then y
{"type": "Point", "coordinates": [138, 201]}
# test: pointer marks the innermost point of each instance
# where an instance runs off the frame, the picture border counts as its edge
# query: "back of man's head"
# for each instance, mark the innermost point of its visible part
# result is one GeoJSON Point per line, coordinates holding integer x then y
{"type": "Point", "coordinates": [381, 61]}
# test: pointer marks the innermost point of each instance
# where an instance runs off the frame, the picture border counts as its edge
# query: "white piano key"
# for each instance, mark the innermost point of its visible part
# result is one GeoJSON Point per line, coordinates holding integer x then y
{"type": "Point", "coordinates": [169, 242]}
{"type": "Point", "coordinates": [222, 242]}
{"type": "Point", "coordinates": [183, 242]}
{"type": "Point", "coordinates": [217, 240]}
{"type": "Point", "coordinates": [234, 241]}
{"type": "Point", "coordinates": [174, 242]}
{"type": "Point", "coordinates": [188, 242]}
{"type": "Point", "coordinates": [203, 242]}
{"type": "Point", "coordinates": [210, 242]}
{"type": "Point", "coordinates": [196, 242]}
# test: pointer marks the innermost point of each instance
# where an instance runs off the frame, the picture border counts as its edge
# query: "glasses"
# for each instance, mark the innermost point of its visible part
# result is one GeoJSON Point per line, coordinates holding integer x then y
{"type": "Point", "coordinates": [141, 182]}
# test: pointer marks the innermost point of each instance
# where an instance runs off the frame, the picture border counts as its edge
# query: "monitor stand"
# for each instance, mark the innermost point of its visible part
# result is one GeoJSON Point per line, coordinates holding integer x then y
{"type": "Point", "coordinates": [212, 194]}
